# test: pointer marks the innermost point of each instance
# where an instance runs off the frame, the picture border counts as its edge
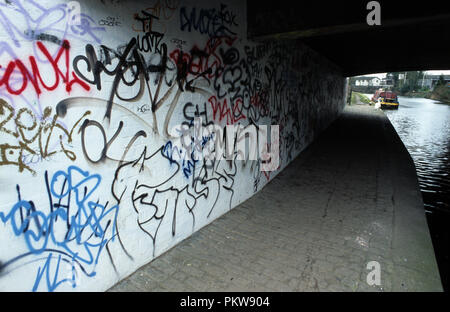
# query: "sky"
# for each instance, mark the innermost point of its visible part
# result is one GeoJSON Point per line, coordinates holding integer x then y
{"type": "Point", "coordinates": [432, 72]}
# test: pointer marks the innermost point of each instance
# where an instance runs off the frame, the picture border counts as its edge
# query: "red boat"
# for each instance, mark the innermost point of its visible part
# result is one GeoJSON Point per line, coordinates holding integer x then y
{"type": "Point", "coordinates": [388, 99]}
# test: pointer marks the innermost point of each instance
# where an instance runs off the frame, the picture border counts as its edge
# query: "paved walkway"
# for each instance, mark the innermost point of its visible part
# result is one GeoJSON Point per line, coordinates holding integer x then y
{"type": "Point", "coordinates": [350, 198]}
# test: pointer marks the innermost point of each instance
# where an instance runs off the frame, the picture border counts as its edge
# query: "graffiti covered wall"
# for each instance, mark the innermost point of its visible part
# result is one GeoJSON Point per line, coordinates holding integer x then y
{"type": "Point", "coordinates": [92, 95]}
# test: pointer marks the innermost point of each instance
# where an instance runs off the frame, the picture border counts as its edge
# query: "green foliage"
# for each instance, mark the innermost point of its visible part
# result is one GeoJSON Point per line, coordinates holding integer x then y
{"type": "Point", "coordinates": [440, 82]}
{"type": "Point", "coordinates": [406, 87]}
{"type": "Point", "coordinates": [441, 93]}
{"type": "Point", "coordinates": [364, 99]}
{"type": "Point", "coordinates": [358, 98]}
{"type": "Point", "coordinates": [353, 99]}
{"type": "Point", "coordinates": [411, 83]}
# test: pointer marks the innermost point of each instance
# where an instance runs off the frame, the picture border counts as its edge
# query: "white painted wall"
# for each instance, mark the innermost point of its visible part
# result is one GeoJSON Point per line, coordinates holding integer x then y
{"type": "Point", "coordinates": [90, 188]}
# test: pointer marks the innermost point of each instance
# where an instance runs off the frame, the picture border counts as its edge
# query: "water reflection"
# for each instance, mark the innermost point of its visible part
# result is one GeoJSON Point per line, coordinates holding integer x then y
{"type": "Point", "coordinates": [424, 127]}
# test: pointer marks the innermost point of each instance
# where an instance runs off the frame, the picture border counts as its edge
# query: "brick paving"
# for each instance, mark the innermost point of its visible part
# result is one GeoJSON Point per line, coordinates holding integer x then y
{"type": "Point", "coordinates": [349, 198]}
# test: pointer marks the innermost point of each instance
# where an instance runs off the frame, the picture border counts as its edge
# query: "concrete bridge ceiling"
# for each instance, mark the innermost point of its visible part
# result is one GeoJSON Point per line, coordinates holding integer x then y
{"type": "Point", "coordinates": [414, 35]}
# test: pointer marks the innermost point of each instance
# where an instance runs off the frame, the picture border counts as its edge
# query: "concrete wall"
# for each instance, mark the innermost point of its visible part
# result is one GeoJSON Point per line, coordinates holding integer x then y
{"type": "Point", "coordinates": [91, 184]}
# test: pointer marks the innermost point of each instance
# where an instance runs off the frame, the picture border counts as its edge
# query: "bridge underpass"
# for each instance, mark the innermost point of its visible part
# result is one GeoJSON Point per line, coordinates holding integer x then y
{"type": "Point", "coordinates": [411, 36]}
{"type": "Point", "coordinates": [100, 189]}
{"type": "Point", "coordinates": [350, 198]}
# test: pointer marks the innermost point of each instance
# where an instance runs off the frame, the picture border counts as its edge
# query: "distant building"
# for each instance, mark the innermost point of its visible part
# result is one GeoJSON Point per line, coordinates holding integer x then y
{"type": "Point", "coordinates": [367, 81]}
{"type": "Point", "coordinates": [388, 81]}
{"type": "Point", "coordinates": [430, 81]}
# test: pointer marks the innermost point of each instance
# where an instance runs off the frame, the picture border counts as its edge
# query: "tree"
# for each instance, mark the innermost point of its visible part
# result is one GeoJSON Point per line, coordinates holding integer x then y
{"type": "Point", "coordinates": [394, 77]}
{"type": "Point", "coordinates": [412, 81]}
{"type": "Point", "coordinates": [441, 81]}
{"type": "Point", "coordinates": [415, 77]}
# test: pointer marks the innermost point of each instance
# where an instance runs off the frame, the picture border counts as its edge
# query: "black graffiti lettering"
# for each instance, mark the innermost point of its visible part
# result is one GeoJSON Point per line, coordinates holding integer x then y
{"type": "Point", "coordinates": [130, 60]}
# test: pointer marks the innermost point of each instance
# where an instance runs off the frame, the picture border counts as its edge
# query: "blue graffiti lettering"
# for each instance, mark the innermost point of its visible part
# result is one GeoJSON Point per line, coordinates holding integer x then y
{"type": "Point", "coordinates": [78, 233]}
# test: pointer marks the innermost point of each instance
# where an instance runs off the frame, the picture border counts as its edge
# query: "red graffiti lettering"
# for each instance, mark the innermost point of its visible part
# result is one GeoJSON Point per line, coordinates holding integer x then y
{"type": "Point", "coordinates": [221, 110]}
{"type": "Point", "coordinates": [35, 77]}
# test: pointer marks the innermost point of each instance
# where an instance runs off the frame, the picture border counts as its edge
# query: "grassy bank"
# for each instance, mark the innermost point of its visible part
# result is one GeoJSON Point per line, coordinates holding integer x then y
{"type": "Point", "coordinates": [359, 98]}
{"type": "Point", "coordinates": [418, 94]}
{"type": "Point", "coordinates": [364, 99]}
{"type": "Point", "coordinates": [354, 99]}
{"type": "Point", "coordinates": [440, 93]}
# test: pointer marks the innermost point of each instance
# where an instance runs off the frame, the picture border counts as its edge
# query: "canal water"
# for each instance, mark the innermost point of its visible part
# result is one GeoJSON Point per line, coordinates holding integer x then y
{"type": "Point", "coordinates": [424, 127]}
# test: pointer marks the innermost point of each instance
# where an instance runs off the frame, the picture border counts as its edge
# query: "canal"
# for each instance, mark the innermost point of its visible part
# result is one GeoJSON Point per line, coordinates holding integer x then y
{"type": "Point", "coordinates": [424, 127]}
